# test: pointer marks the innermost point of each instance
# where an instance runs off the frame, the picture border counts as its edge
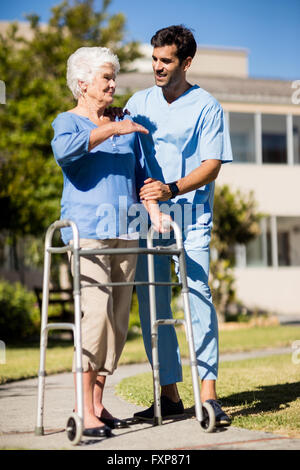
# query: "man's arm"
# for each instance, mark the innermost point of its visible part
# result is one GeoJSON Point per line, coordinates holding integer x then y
{"type": "Point", "coordinates": [204, 174]}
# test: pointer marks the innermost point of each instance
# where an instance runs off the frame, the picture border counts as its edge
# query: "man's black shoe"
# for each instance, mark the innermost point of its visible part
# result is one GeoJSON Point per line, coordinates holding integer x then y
{"type": "Point", "coordinates": [222, 419]}
{"type": "Point", "coordinates": [169, 410]}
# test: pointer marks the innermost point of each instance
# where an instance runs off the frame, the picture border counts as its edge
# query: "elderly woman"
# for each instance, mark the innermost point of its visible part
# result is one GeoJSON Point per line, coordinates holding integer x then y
{"type": "Point", "coordinates": [102, 168]}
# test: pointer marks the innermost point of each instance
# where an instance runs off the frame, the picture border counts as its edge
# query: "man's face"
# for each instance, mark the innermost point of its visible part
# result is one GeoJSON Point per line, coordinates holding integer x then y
{"type": "Point", "coordinates": [168, 71]}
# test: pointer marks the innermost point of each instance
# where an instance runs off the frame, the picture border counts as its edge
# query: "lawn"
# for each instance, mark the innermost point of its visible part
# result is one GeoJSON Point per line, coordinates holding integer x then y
{"type": "Point", "coordinates": [22, 361]}
{"type": "Point", "coordinates": [259, 394]}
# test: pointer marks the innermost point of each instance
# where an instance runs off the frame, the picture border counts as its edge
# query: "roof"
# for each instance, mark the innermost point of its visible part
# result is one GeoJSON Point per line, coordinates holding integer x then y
{"type": "Point", "coordinates": [254, 90]}
{"type": "Point", "coordinates": [224, 88]}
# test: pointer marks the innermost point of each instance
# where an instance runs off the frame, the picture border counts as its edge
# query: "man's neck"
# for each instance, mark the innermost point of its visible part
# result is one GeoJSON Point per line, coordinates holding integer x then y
{"type": "Point", "coordinates": [172, 93]}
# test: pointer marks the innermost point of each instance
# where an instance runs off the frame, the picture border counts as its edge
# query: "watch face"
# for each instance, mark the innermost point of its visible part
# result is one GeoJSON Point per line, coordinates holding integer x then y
{"type": "Point", "coordinates": [174, 189]}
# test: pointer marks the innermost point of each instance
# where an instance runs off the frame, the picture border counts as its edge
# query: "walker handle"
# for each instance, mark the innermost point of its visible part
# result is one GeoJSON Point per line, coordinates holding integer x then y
{"type": "Point", "coordinates": [60, 224]}
{"type": "Point", "coordinates": [166, 225]}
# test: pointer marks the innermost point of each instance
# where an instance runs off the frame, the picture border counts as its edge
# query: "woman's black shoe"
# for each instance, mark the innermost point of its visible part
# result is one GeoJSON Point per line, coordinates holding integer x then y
{"type": "Point", "coordinates": [101, 431]}
{"type": "Point", "coordinates": [114, 423]}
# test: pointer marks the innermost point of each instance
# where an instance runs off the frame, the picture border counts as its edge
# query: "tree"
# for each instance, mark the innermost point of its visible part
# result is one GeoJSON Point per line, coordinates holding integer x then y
{"type": "Point", "coordinates": [236, 221]}
{"type": "Point", "coordinates": [34, 71]}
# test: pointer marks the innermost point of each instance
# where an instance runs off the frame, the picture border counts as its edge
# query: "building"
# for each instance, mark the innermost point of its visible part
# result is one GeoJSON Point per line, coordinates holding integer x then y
{"type": "Point", "coordinates": [264, 122]}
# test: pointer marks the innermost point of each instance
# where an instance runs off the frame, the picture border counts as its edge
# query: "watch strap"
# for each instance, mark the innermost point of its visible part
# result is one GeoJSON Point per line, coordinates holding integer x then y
{"type": "Point", "coordinates": [174, 189]}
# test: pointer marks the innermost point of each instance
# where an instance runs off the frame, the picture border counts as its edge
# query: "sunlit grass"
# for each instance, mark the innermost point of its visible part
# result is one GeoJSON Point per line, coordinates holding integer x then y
{"type": "Point", "coordinates": [22, 361]}
{"type": "Point", "coordinates": [259, 394]}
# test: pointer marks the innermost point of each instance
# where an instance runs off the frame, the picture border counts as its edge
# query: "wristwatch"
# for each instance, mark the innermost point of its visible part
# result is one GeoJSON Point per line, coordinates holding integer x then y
{"type": "Point", "coordinates": [174, 189]}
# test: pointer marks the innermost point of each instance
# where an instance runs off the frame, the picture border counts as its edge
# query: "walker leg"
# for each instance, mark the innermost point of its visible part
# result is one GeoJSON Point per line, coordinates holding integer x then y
{"type": "Point", "coordinates": [39, 429]}
{"type": "Point", "coordinates": [78, 362]}
{"type": "Point", "coordinates": [154, 339]}
{"type": "Point", "coordinates": [193, 359]}
{"type": "Point", "coordinates": [77, 334]}
{"type": "Point", "coordinates": [156, 377]}
{"type": "Point", "coordinates": [190, 335]}
{"type": "Point", "coordinates": [204, 412]}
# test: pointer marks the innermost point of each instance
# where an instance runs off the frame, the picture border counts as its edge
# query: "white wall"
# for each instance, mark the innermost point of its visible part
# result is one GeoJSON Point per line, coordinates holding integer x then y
{"type": "Point", "coordinates": [273, 289]}
{"type": "Point", "coordinates": [276, 187]}
{"type": "Point", "coordinates": [277, 190]}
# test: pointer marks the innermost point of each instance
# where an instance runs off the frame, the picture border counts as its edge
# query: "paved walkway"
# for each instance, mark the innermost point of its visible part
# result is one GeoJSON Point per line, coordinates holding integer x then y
{"type": "Point", "coordinates": [18, 401]}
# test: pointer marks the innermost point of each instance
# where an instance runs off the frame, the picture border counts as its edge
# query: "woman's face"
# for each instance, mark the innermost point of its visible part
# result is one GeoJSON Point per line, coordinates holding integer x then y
{"type": "Point", "coordinates": [102, 88]}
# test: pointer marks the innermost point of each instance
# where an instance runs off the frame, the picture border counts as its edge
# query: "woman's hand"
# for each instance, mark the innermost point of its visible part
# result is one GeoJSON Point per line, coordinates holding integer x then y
{"type": "Point", "coordinates": [109, 129]}
{"type": "Point", "coordinates": [160, 220]}
{"type": "Point", "coordinates": [128, 127]}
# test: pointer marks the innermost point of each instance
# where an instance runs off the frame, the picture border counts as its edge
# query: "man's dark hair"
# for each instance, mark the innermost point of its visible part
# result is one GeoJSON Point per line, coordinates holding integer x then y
{"type": "Point", "coordinates": [179, 35]}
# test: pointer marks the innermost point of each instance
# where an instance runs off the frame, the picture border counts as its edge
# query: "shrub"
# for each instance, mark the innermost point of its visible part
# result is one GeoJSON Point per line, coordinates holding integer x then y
{"type": "Point", "coordinates": [19, 314]}
{"type": "Point", "coordinates": [134, 318]}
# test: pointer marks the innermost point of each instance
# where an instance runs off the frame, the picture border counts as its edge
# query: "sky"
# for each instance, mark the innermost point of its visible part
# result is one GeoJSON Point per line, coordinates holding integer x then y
{"type": "Point", "coordinates": [268, 29]}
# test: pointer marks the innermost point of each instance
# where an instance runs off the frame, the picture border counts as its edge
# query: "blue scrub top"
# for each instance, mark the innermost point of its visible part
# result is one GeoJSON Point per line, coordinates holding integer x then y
{"type": "Point", "coordinates": [100, 185]}
{"type": "Point", "coordinates": [181, 135]}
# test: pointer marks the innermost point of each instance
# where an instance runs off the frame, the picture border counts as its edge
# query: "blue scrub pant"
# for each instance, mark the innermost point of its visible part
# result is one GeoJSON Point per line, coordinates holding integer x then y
{"type": "Point", "coordinates": [204, 318]}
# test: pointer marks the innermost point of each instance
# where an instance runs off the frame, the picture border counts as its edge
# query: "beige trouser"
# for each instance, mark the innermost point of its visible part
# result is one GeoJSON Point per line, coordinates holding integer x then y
{"type": "Point", "coordinates": [105, 310]}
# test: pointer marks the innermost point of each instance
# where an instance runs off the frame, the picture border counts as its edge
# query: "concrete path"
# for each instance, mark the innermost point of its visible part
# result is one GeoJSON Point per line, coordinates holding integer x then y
{"type": "Point", "coordinates": [18, 401]}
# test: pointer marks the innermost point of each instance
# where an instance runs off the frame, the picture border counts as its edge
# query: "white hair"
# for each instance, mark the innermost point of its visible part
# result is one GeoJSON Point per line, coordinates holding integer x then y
{"type": "Point", "coordinates": [84, 63]}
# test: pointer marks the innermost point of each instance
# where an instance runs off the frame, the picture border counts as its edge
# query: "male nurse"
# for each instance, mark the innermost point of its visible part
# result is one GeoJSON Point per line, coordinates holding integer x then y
{"type": "Point", "coordinates": [188, 141]}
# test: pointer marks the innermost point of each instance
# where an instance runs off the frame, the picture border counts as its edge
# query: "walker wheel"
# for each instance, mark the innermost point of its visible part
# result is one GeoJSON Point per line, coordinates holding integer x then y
{"type": "Point", "coordinates": [74, 429]}
{"type": "Point", "coordinates": [209, 418]}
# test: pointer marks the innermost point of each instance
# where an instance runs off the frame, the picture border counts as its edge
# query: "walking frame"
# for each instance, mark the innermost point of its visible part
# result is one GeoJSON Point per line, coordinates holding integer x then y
{"type": "Point", "coordinates": [204, 412]}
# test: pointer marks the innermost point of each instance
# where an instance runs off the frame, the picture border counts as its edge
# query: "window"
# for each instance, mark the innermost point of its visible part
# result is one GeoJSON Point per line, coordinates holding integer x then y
{"type": "Point", "coordinates": [277, 245]}
{"type": "Point", "coordinates": [271, 138]}
{"type": "Point", "coordinates": [296, 138]}
{"type": "Point", "coordinates": [274, 139]}
{"type": "Point", "coordinates": [242, 137]}
{"type": "Point", "coordinates": [258, 250]}
{"type": "Point", "coordinates": [288, 241]}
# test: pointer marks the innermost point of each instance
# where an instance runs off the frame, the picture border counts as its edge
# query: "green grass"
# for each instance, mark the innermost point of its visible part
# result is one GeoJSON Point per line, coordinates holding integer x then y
{"type": "Point", "coordinates": [258, 337]}
{"type": "Point", "coordinates": [23, 361]}
{"type": "Point", "coordinates": [259, 394]}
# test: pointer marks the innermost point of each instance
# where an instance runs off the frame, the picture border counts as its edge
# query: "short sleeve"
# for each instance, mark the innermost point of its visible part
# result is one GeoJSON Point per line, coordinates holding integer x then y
{"type": "Point", "coordinates": [131, 106]}
{"type": "Point", "coordinates": [141, 173]}
{"type": "Point", "coordinates": [69, 142]}
{"type": "Point", "coordinates": [214, 139]}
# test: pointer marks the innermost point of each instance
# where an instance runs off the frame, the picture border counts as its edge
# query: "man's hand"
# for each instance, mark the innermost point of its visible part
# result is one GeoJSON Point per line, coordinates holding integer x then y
{"type": "Point", "coordinates": [200, 176]}
{"type": "Point", "coordinates": [155, 189]}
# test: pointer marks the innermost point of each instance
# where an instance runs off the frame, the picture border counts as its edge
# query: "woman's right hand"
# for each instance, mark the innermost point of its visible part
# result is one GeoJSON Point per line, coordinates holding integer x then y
{"type": "Point", "coordinates": [128, 127]}
{"type": "Point", "coordinates": [109, 129]}
{"type": "Point", "coordinates": [160, 221]}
